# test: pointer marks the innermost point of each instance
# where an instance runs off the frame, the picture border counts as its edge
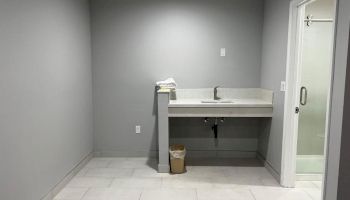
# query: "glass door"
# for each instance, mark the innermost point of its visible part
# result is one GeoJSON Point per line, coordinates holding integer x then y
{"type": "Point", "coordinates": [314, 83]}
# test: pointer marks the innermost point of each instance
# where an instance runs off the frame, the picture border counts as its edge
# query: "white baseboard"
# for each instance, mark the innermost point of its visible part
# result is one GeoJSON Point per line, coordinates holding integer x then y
{"type": "Point", "coordinates": [189, 154]}
{"type": "Point", "coordinates": [150, 154]}
{"type": "Point", "coordinates": [269, 167]}
{"type": "Point", "coordinates": [220, 154]}
{"type": "Point", "coordinates": [60, 185]}
{"type": "Point", "coordinates": [163, 168]}
{"type": "Point", "coordinates": [273, 172]}
{"type": "Point", "coordinates": [219, 144]}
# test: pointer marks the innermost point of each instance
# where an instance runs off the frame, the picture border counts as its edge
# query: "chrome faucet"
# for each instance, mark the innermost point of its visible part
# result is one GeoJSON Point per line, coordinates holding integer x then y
{"type": "Point", "coordinates": [216, 93]}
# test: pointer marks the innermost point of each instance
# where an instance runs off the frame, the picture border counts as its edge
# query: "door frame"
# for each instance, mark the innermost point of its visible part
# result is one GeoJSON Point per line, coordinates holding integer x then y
{"type": "Point", "coordinates": [337, 93]}
{"type": "Point", "coordinates": [292, 97]}
{"type": "Point", "coordinates": [290, 136]}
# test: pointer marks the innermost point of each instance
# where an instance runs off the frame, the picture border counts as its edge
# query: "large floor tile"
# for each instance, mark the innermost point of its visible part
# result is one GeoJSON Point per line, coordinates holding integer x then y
{"type": "Point", "coordinates": [149, 173]}
{"type": "Point", "coordinates": [187, 182]}
{"type": "Point", "coordinates": [109, 172]}
{"type": "Point", "coordinates": [269, 193]}
{"type": "Point", "coordinates": [239, 182]}
{"type": "Point", "coordinates": [207, 171]}
{"type": "Point", "coordinates": [112, 194]}
{"type": "Point", "coordinates": [139, 183]}
{"type": "Point", "coordinates": [137, 178]}
{"type": "Point", "coordinates": [82, 172]}
{"type": "Point", "coordinates": [270, 182]}
{"type": "Point", "coordinates": [247, 176]}
{"type": "Point", "coordinates": [319, 184]}
{"type": "Point", "coordinates": [97, 162]}
{"type": "Point", "coordinates": [230, 162]}
{"type": "Point", "coordinates": [141, 159]}
{"type": "Point", "coordinates": [305, 184]}
{"type": "Point", "coordinates": [314, 193]}
{"type": "Point", "coordinates": [90, 182]}
{"type": "Point", "coordinates": [71, 193]}
{"type": "Point", "coordinates": [259, 172]}
{"type": "Point", "coordinates": [133, 163]}
{"type": "Point", "coordinates": [169, 194]}
{"type": "Point", "coordinates": [224, 194]}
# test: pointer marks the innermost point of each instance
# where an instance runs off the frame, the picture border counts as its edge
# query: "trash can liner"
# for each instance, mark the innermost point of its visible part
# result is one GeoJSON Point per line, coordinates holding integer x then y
{"type": "Point", "coordinates": [177, 151]}
{"type": "Point", "coordinates": [177, 158]}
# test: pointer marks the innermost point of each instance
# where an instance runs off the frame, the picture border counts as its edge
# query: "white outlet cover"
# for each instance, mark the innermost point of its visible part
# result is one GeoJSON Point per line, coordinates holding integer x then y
{"type": "Point", "coordinates": [283, 86]}
{"type": "Point", "coordinates": [138, 129]}
{"type": "Point", "coordinates": [223, 52]}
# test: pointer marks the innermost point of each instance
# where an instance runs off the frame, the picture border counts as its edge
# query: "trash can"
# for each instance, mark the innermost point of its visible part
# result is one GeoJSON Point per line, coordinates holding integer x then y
{"type": "Point", "coordinates": [177, 158]}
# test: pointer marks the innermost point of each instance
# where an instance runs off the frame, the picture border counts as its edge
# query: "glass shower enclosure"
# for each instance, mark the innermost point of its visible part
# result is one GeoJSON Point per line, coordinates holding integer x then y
{"type": "Point", "coordinates": [315, 74]}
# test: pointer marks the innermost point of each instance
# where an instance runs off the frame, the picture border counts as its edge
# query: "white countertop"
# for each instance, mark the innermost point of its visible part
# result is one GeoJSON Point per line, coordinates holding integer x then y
{"type": "Point", "coordinates": [191, 103]}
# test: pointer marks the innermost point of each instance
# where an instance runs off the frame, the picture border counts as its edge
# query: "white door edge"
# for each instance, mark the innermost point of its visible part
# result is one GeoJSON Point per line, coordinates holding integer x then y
{"type": "Point", "coordinates": [290, 121]}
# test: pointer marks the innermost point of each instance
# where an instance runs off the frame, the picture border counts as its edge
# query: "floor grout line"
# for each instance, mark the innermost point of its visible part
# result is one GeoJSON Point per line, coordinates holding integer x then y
{"type": "Point", "coordinates": [82, 197]}
{"type": "Point", "coordinates": [141, 192]}
{"type": "Point", "coordinates": [309, 195]}
{"type": "Point", "coordinates": [251, 192]}
{"type": "Point", "coordinates": [84, 173]}
{"type": "Point", "coordinates": [317, 186]}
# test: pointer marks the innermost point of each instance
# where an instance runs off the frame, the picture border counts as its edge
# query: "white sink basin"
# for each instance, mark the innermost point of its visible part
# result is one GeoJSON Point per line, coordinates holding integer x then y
{"type": "Point", "coordinates": [217, 101]}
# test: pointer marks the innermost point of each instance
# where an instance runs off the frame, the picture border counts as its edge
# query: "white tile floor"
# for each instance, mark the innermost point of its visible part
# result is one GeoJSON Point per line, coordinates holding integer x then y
{"type": "Point", "coordinates": [136, 179]}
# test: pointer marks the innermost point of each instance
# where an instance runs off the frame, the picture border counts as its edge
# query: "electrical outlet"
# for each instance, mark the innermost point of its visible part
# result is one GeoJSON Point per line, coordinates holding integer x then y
{"type": "Point", "coordinates": [137, 129]}
{"type": "Point", "coordinates": [283, 86]}
{"type": "Point", "coordinates": [222, 52]}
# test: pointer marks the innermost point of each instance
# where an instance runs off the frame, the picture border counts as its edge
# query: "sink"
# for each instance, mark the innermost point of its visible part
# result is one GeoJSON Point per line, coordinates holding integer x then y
{"type": "Point", "coordinates": [217, 101]}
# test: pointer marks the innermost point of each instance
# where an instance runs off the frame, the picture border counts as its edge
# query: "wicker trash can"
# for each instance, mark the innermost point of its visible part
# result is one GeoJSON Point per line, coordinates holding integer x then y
{"type": "Point", "coordinates": [177, 158]}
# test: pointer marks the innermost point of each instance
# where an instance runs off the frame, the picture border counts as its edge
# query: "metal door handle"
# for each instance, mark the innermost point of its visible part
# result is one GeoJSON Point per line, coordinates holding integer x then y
{"type": "Point", "coordinates": [303, 96]}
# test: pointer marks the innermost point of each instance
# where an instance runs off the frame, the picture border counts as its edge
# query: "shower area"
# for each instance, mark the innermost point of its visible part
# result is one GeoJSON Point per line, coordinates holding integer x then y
{"type": "Point", "coordinates": [315, 75]}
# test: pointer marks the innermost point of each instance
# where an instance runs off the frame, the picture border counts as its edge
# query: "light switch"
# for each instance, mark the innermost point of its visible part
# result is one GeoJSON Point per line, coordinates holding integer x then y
{"type": "Point", "coordinates": [138, 129]}
{"type": "Point", "coordinates": [223, 52]}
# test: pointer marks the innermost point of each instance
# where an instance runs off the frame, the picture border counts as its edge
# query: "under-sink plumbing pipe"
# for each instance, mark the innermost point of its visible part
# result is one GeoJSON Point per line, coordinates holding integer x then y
{"type": "Point", "coordinates": [222, 119]}
{"type": "Point", "coordinates": [215, 128]}
{"type": "Point", "coordinates": [215, 125]}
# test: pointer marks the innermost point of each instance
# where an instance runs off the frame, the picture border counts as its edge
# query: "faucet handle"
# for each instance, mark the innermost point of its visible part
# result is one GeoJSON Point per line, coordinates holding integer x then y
{"type": "Point", "coordinates": [216, 97]}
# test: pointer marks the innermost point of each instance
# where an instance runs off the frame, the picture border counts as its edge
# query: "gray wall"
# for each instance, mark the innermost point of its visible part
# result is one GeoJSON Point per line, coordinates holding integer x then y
{"type": "Point", "coordinates": [45, 94]}
{"type": "Point", "coordinates": [273, 71]}
{"type": "Point", "coordinates": [344, 173]}
{"type": "Point", "coordinates": [333, 176]}
{"type": "Point", "coordinates": [136, 43]}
